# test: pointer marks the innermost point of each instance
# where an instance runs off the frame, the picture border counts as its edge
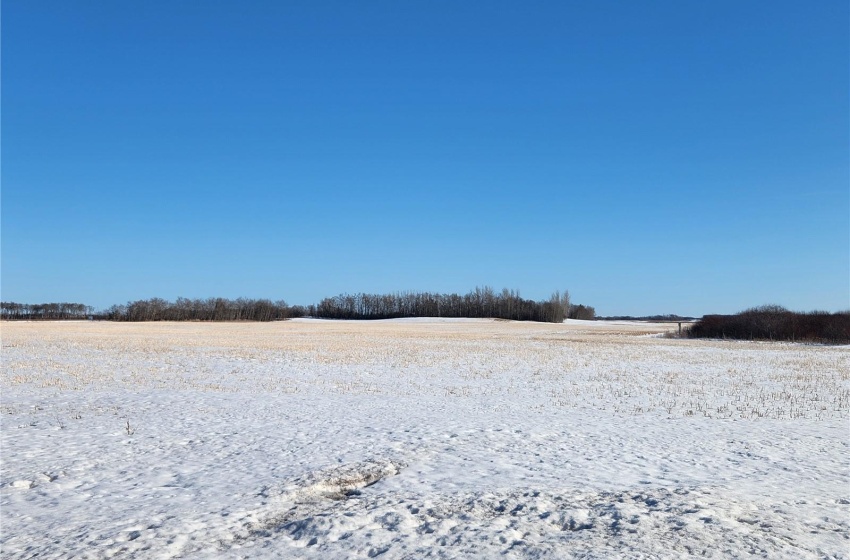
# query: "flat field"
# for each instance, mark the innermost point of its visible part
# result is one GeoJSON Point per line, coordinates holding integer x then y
{"type": "Point", "coordinates": [419, 439]}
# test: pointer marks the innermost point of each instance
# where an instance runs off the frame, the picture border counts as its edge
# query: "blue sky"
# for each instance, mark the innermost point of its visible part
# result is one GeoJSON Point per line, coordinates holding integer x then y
{"type": "Point", "coordinates": [650, 157]}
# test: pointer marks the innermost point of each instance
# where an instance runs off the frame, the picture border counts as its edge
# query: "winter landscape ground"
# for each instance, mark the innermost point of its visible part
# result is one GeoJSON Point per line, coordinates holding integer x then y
{"type": "Point", "coordinates": [419, 439]}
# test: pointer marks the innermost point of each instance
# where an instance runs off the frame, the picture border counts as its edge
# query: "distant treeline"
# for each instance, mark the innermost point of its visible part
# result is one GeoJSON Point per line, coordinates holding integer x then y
{"type": "Point", "coordinates": [479, 303]}
{"type": "Point", "coordinates": [773, 322]}
{"type": "Point", "coordinates": [44, 311]}
{"type": "Point", "coordinates": [210, 309]}
{"type": "Point", "coordinates": [656, 318]}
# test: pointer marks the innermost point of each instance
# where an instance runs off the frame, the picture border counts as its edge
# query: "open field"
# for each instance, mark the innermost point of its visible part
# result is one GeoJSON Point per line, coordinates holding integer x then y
{"type": "Point", "coordinates": [419, 438]}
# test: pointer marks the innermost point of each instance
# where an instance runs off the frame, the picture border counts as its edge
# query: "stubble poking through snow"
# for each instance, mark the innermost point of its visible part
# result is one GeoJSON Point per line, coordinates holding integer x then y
{"type": "Point", "coordinates": [410, 439]}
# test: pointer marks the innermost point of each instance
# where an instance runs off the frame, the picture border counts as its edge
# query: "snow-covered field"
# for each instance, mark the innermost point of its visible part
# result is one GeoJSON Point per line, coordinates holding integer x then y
{"type": "Point", "coordinates": [419, 439]}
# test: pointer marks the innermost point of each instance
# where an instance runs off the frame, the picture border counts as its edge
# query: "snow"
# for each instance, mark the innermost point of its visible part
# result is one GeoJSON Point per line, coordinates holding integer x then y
{"type": "Point", "coordinates": [416, 439]}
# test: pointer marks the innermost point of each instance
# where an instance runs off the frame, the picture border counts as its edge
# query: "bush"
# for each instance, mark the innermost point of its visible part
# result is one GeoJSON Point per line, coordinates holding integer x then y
{"type": "Point", "coordinates": [773, 322]}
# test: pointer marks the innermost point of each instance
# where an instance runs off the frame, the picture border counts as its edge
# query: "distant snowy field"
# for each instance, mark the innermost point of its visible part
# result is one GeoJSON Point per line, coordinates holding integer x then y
{"type": "Point", "coordinates": [419, 439]}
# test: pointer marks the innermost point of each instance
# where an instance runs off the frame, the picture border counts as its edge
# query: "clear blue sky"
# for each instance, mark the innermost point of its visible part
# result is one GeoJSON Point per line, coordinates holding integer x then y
{"type": "Point", "coordinates": [652, 157]}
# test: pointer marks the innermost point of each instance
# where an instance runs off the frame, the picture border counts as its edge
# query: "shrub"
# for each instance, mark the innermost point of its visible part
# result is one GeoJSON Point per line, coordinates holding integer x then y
{"type": "Point", "coordinates": [773, 322]}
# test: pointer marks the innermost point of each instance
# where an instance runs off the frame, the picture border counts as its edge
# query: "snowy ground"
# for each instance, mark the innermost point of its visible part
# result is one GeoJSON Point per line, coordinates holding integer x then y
{"type": "Point", "coordinates": [419, 439]}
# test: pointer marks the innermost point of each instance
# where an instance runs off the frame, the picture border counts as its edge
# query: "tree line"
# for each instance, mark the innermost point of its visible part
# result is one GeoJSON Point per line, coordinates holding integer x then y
{"type": "Point", "coordinates": [478, 303]}
{"type": "Point", "coordinates": [210, 309]}
{"type": "Point", "coordinates": [651, 318]}
{"type": "Point", "coordinates": [773, 322]}
{"type": "Point", "coordinates": [11, 310]}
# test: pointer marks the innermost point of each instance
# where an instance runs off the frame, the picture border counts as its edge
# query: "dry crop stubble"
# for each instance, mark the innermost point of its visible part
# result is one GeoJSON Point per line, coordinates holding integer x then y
{"type": "Point", "coordinates": [614, 367]}
{"type": "Point", "coordinates": [567, 438]}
